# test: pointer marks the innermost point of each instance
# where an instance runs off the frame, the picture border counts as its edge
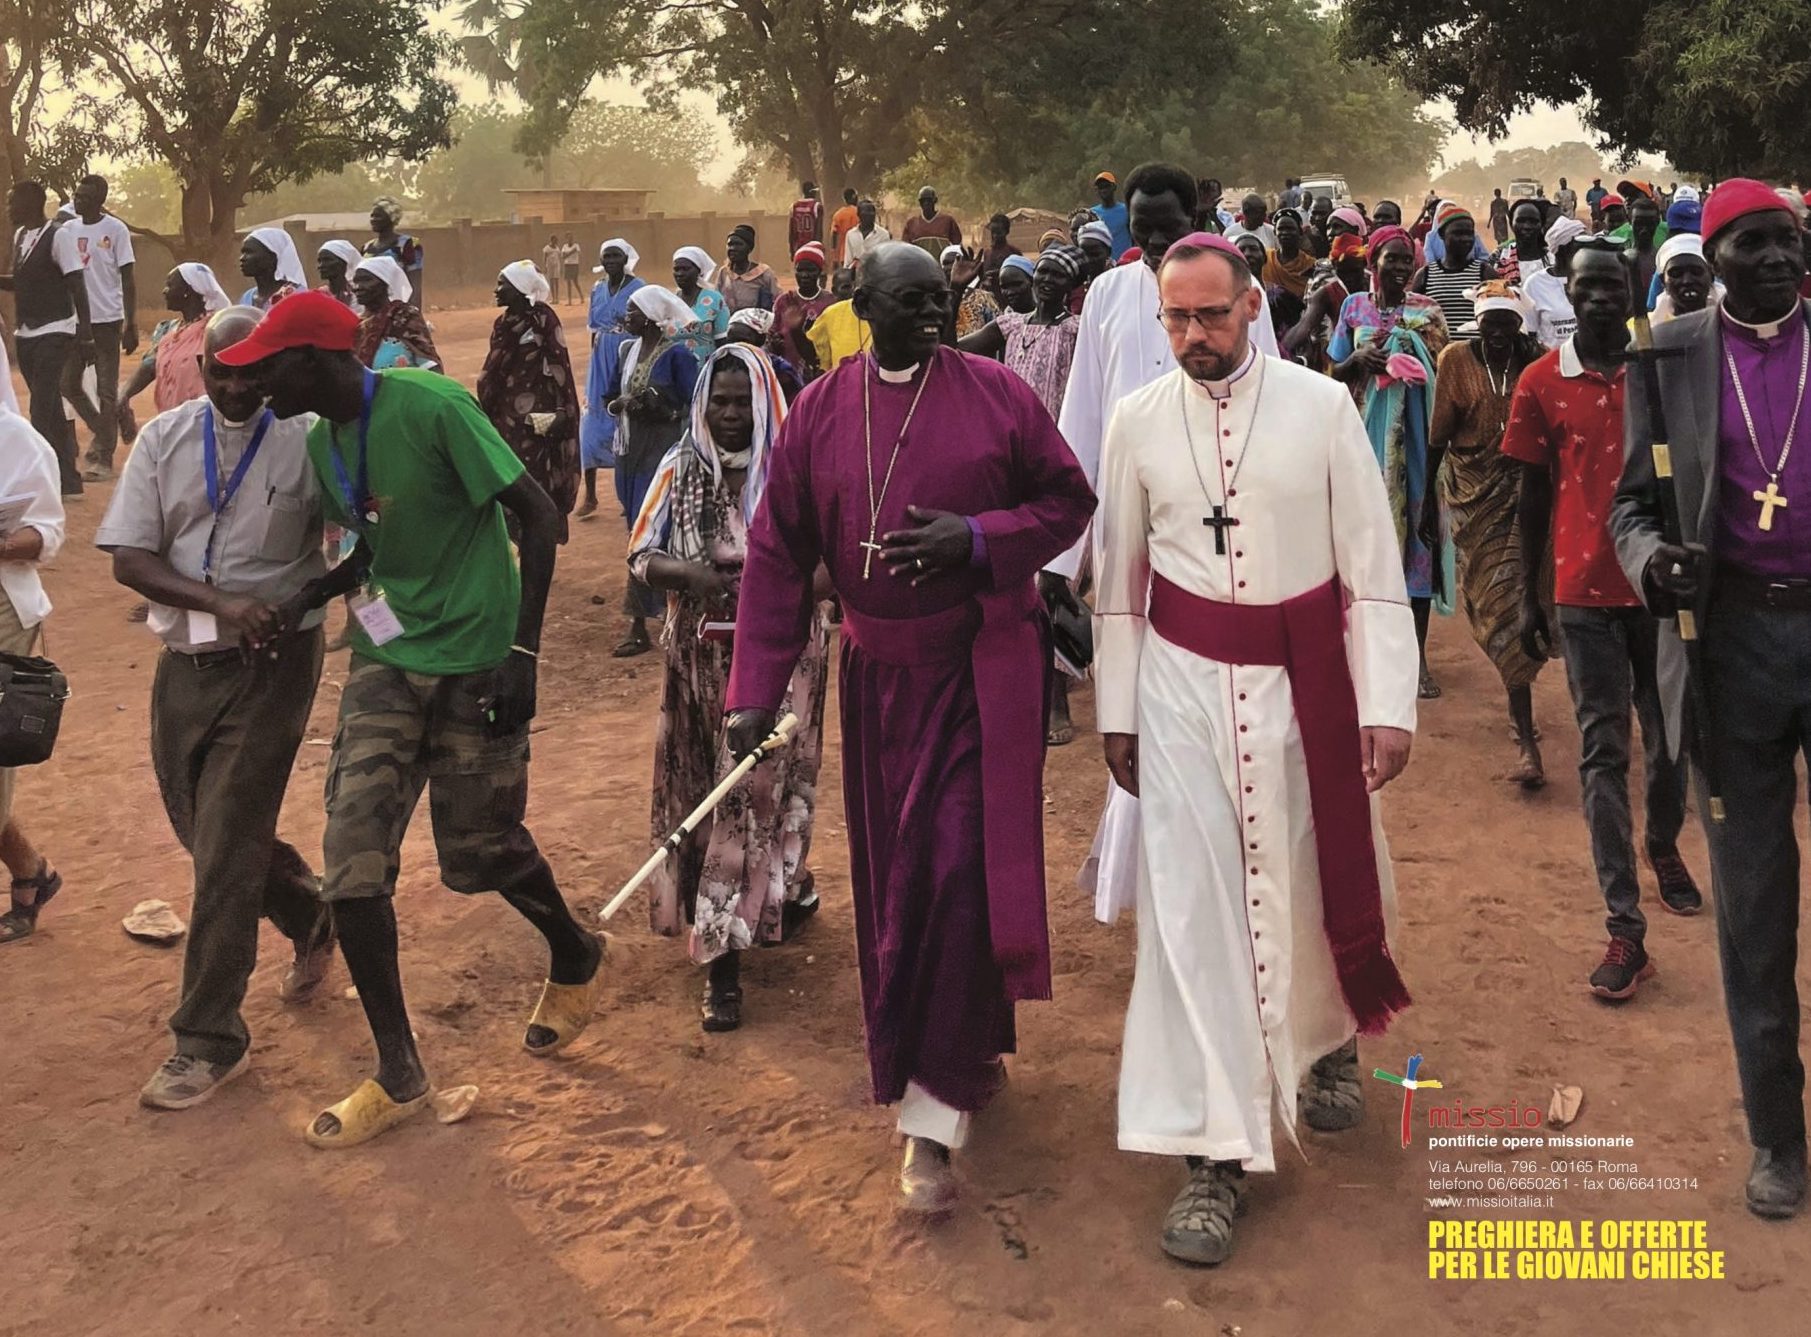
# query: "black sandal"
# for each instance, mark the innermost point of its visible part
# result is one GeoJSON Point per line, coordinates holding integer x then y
{"type": "Point", "coordinates": [635, 644]}
{"type": "Point", "coordinates": [722, 1007]}
{"type": "Point", "coordinates": [795, 913]}
{"type": "Point", "coordinates": [22, 920]}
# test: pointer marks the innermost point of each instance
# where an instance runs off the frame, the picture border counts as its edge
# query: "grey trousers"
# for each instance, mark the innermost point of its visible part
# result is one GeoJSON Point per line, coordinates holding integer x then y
{"type": "Point", "coordinates": [224, 735]}
{"type": "Point", "coordinates": [1610, 667]}
{"type": "Point", "coordinates": [1758, 664]}
{"type": "Point", "coordinates": [101, 419]}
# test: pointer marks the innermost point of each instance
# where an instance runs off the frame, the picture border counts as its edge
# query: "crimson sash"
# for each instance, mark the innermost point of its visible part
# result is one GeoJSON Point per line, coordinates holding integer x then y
{"type": "Point", "coordinates": [1306, 636]}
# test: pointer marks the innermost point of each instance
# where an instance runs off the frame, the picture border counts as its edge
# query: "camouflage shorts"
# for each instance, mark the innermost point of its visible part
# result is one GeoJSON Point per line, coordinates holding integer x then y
{"type": "Point", "coordinates": [397, 732]}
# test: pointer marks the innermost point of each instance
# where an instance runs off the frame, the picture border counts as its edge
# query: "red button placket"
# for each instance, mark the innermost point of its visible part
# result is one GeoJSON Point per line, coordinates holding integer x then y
{"type": "Point", "coordinates": [1247, 769]}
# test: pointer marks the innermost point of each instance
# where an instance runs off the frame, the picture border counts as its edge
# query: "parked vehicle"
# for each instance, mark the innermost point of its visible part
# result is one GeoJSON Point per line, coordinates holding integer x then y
{"type": "Point", "coordinates": [1334, 187]}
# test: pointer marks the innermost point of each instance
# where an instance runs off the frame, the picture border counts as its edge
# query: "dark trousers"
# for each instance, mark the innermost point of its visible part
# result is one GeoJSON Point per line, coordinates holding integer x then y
{"type": "Point", "coordinates": [42, 358]}
{"type": "Point", "coordinates": [224, 735]}
{"type": "Point", "coordinates": [1610, 666]}
{"type": "Point", "coordinates": [101, 419]}
{"type": "Point", "coordinates": [1758, 666]}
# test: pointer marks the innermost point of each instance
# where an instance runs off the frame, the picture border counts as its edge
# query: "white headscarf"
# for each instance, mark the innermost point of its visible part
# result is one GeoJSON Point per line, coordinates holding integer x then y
{"type": "Point", "coordinates": [346, 251]}
{"type": "Point", "coordinates": [665, 308]}
{"type": "Point", "coordinates": [202, 282]}
{"type": "Point", "coordinates": [698, 256]}
{"type": "Point", "coordinates": [1564, 232]}
{"type": "Point", "coordinates": [394, 278]}
{"type": "Point", "coordinates": [1685, 193]}
{"type": "Point", "coordinates": [1680, 243]}
{"type": "Point", "coordinates": [278, 243]}
{"type": "Point", "coordinates": [526, 279]}
{"type": "Point", "coordinates": [949, 253]}
{"type": "Point", "coordinates": [632, 257]}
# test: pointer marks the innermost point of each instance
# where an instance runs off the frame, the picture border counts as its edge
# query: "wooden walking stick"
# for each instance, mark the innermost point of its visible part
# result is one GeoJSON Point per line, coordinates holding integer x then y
{"type": "Point", "coordinates": [781, 735]}
{"type": "Point", "coordinates": [1648, 357]}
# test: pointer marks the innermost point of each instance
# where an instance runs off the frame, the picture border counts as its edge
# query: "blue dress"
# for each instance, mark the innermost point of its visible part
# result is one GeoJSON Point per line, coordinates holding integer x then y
{"type": "Point", "coordinates": [597, 429]}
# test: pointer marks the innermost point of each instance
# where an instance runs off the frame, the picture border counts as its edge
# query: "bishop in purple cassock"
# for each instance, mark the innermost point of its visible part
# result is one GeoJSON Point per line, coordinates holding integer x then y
{"type": "Point", "coordinates": [932, 485]}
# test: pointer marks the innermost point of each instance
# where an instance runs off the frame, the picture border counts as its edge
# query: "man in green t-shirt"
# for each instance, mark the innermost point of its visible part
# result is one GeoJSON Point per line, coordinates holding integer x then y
{"type": "Point", "coordinates": [442, 683]}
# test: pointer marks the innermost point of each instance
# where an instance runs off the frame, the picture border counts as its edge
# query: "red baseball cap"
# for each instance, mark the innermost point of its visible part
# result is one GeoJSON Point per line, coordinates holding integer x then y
{"type": "Point", "coordinates": [1737, 196]}
{"type": "Point", "coordinates": [301, 320]}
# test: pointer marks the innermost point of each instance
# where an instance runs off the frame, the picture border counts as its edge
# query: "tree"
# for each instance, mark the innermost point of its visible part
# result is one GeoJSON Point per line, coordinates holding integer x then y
{"type": "Point", "coordinates": [37, 57]}
{"type": "Point", "coordinates": [830, 89]}
{"type": "Point", "coordinates": [1720, 87]}
{"type": "Point", "coordinates": [1250, 93]}
{"type": "Point", "coordinates": [237, 96]}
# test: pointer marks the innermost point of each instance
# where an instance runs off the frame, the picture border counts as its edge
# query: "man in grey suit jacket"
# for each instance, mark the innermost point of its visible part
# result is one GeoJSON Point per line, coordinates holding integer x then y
{"type": "Point", "coordinates": [1732, 403]}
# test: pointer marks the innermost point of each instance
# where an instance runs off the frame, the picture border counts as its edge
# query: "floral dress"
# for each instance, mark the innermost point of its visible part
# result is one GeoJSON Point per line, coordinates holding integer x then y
{"type": "Point", "coordinates": [733, 875]}
{"type": "Point", "coordinates": [1041, 355]}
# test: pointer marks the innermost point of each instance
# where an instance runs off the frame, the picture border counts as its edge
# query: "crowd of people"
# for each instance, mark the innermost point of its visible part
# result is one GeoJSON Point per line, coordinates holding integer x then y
{"type": "Point", "coordinates": [1258, 449]}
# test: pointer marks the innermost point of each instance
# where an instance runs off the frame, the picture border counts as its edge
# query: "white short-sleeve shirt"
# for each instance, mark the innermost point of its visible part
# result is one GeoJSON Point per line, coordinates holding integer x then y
{"type": "Point", "coordinates": [104, 246]}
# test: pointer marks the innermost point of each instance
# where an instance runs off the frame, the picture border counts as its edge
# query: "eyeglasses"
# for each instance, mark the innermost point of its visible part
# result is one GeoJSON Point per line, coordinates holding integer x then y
{"type": "Point", "coordinates": [1210, 318]}
{"type": "Point", "coordinates": [915, 299]}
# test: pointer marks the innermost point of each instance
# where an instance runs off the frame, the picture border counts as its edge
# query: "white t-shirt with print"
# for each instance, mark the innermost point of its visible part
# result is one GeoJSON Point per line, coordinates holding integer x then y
{"type": "Point", "coordinates": [105, 245]}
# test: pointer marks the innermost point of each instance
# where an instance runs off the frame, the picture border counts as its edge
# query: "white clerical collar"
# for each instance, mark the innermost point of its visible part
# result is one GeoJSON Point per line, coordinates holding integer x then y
{"type": "Point", "coordinates": [1223, 389]}
{"type": "Point", "coordinates": [1768, 330]}
{"type": "Point", "coordinates": [895, 377]}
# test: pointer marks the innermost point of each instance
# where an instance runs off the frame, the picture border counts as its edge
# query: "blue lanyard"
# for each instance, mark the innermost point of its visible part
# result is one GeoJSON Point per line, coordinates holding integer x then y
{"type": "Point", "coordinates": [210, 469]}
{"type": "Point", "coordinates": [358, 498]}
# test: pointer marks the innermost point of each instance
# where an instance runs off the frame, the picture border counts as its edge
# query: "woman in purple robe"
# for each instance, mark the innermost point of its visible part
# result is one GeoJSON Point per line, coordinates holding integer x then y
{"type": "Point", "coordinates": [933, 486]}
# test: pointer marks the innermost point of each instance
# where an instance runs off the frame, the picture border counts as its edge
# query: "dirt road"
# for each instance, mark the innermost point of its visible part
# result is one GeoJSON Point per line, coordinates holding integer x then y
{"type": "Point", "coordinates": [658, 1181]}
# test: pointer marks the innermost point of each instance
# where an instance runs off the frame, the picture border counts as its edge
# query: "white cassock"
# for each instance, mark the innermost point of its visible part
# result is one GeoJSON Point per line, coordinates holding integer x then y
{"type": "Point", "coordinates": [1235, 994]}
{"type": "Point", "coordinates": [1119, 348]}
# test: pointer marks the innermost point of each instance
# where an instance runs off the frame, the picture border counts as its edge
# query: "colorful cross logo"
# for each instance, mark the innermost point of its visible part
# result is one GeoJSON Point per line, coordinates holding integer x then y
{"type": "Point", "coordinates": [1409, 1086]}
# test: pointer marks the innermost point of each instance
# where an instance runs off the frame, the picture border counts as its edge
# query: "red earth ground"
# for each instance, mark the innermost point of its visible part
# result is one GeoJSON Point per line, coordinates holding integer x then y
{"type": "Point", "coordinates": [658, 1181]}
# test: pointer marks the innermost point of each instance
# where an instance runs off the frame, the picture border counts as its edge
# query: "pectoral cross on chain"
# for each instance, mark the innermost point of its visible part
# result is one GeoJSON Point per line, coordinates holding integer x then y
{"type": "Point", "coordinates": [1221, 521]}
{"type": "Point", "coordinates": [1769, 499]}
{"type": "Point", "coordinates": [867, 562]}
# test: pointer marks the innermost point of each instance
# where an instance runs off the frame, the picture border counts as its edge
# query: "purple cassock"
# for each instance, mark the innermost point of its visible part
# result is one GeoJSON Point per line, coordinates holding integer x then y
{"type": "Point", "coordinates": [942, 694]}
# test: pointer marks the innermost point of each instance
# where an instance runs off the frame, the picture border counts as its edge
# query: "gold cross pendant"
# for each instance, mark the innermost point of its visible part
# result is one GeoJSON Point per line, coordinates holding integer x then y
{"type": "Point", "coordinates": [867, 563]}
{"type": "Point", "coordinates": [1769, 499]}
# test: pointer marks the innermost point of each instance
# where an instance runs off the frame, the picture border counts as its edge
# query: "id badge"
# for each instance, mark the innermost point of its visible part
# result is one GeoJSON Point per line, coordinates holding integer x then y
{"type": "Point", "coordinates": [375, 615]}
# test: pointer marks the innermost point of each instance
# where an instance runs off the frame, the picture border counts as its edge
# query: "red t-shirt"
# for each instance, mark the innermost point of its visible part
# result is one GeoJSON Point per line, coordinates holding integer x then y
{"type": "Point", "coordinates": [1569, 418]}
{"type": "Point", "coordinates": [804, 224]}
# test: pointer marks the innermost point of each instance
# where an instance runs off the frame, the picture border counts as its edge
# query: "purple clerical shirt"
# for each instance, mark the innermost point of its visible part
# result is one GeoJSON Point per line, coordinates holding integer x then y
{"type": "Point", "coordinates": [1770, 370]}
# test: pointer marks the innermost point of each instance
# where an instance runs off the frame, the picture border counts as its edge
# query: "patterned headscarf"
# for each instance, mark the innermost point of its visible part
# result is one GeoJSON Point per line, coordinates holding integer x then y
{"type": "Point", "coordinates": [1066, 261]}
{"type": "Point", "coordinates": [1096, 229]}
{"type": "Point", "coordinates": [1381, 238]}
{"type": "Point", "coordinates": [1345, 247]}
{"type": "Point", "coordinates": [754, 317]}
{"type": "Point", "coordinates": [1449, 212]}
{"type": "Point", "coordinates": [672, 519]}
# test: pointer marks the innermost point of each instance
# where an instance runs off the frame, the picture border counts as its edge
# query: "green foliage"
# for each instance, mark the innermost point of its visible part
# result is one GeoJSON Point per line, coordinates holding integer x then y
{"type": "Point", "coordinates": [38, 59]}
{"type": "Point", "coordinates": [1249, 93]}
{"type": "Point", "coordinates": [147, 195]}
{"type": "Point", "coordinates": [1720, 87]}
{"type": "Point", "coordinates": [239, 96]}
{"type": "Point", "coordinates": [997, 102]}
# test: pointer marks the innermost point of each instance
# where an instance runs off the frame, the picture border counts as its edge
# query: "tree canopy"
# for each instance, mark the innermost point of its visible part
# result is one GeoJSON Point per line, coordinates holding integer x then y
{"type": "Point", "coordinates": [238, 96]}
{"type": "Point", "coordinates": [1719, 87]}
{"type": "Point", "coordinates": [1248, 93]}
{"type": "Point", "coordinates": [1018, 97]}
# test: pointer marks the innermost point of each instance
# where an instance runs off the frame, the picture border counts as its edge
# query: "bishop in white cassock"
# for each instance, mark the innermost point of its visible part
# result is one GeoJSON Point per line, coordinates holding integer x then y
{"type": "Point", "coordinates": [1120, 348]}
{"type": "Point", "coordinates": [1256, 670]}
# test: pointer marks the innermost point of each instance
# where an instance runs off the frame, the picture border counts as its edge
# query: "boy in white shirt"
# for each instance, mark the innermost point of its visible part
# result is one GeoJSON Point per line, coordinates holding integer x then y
{"type": "Point", "coordinates": [105, 245]}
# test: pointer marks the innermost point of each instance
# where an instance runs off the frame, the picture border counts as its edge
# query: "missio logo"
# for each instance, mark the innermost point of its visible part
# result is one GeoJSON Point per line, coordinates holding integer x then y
{"type": "Point", "coordinates": [1456, 1115]}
